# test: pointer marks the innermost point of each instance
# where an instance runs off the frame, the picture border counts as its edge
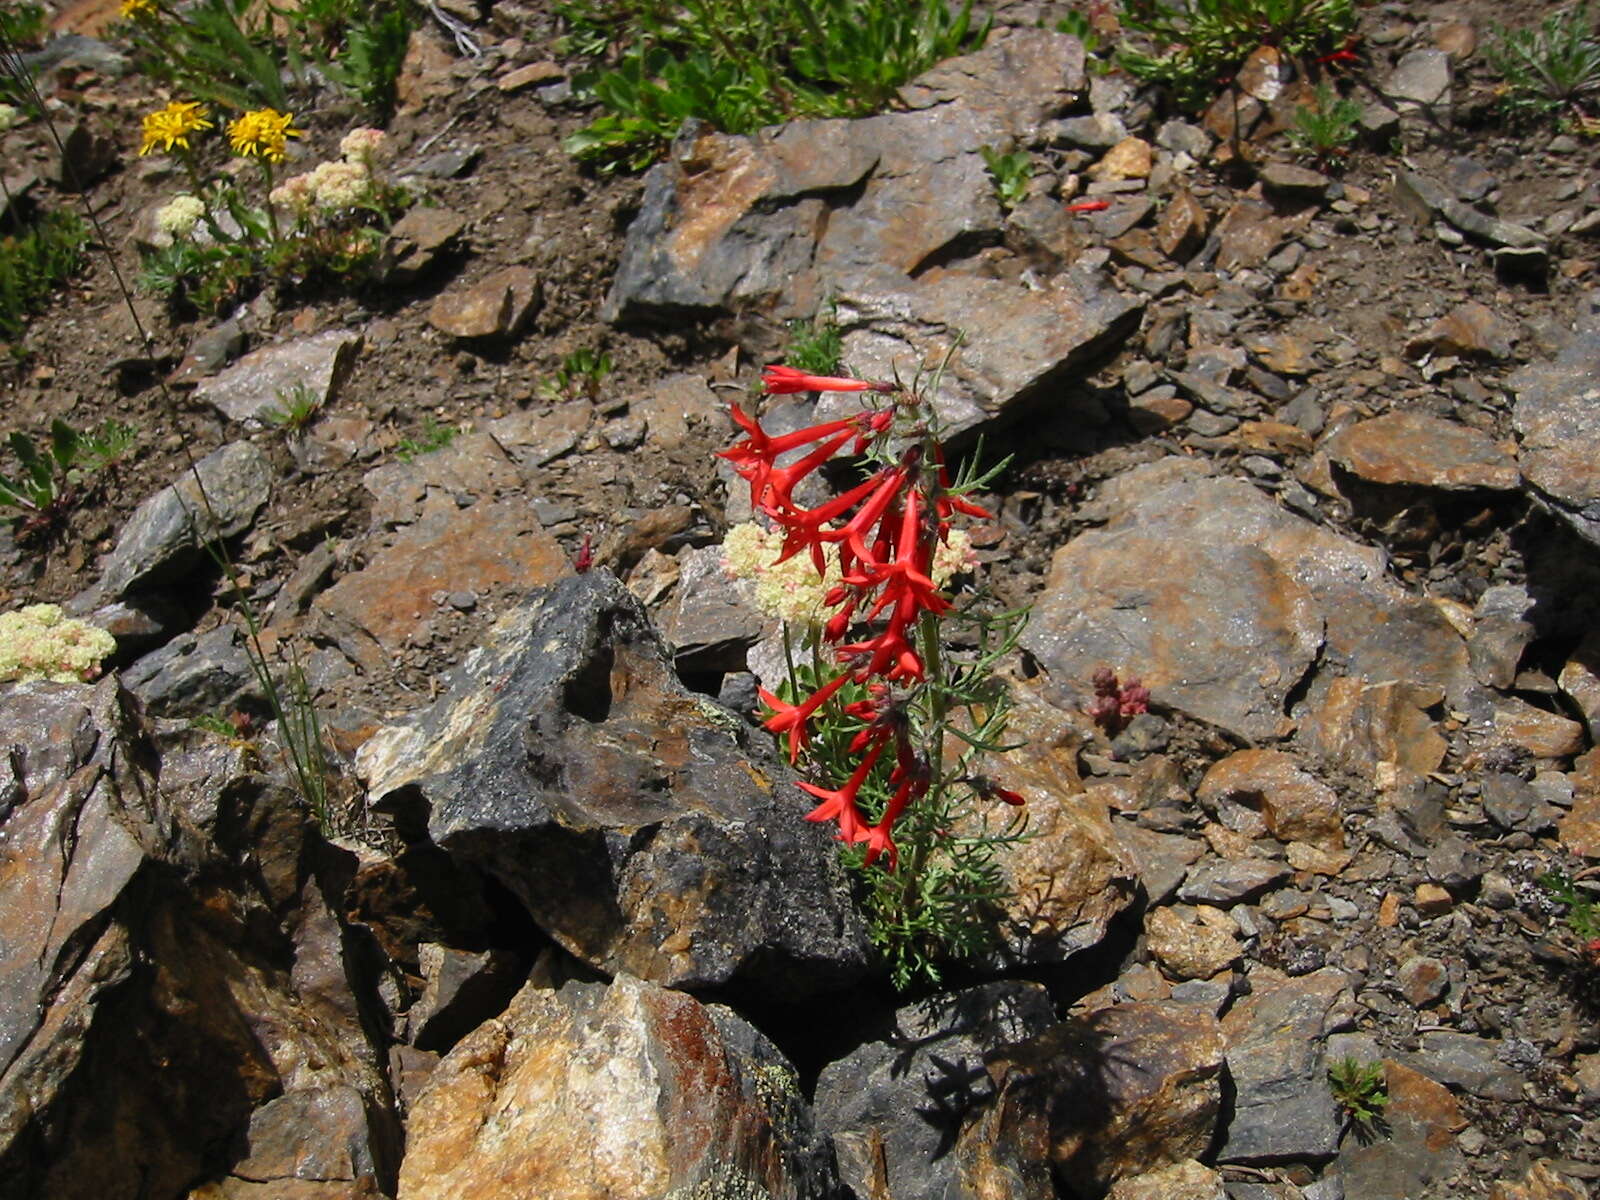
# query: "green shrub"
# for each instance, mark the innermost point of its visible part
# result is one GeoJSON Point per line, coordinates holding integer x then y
{"type": "Point", "coordinates": [1010, 174]}
{"type": "Point", "coordinates": [1324, 129]}
{"type": "Point", "coordinates": [743, 64]}
{"type": "Point", "coordinates": [1202, 44]}
{"type": "Point", "coordinates": [33, 263]}
{"type": "Point", "coordinates": [1552, 70]}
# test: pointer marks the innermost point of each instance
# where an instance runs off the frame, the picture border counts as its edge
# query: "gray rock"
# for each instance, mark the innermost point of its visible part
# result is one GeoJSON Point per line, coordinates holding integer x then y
{"type": "Point", "coordinates": [1295, 183]}
{"type": "Point", "coordinates": [1018, 344]}
{"type": "Point", "coordinates": [1422, 76]}
{"type": "Point", "coordinates": [567, 762]}
{"type": "Point", "coordinates": [782, 219]}
{"type": "Point", "coordinates": [464, 990]}
{"type": "Point", "coordinates": [164, 536]}
{"type": "Point", "coordinates": [1469, 180]}
{"type": "Point", "coordinates": [273, 376]}
{"type": "Point", "coordinates": [1468, 1062]}
{"type": "Point", "coordinates": [319, 1133]}
{"type": "Point", "coordinates": [1097, 131]}
{"type": "Point", "coordinates": [713, 620]}
{"type": "Point", "coordinates": [1453, 863]}
{"type": "Point", "coordinates": [1500, 634]}
{"type": "Point", "coordinates": [210, 352]}
{"type": "Point", "coordinates": [895, 1106]}
{"type": "Point", "coordinates": [194, 675]}
{"type": "Point", "coordinates": [1282, 1106]}
{"type": "Point", "coordinates": [1222, 883]}
{"type": "Point", "coordinates": [1189, 572]}
{"type": "Point", "coordinates": [1557, 416]}
{"type": "Point", "coordinates": [1163, 859]}
{"type": "Point", "coordinates": [1426, 199]}
{"type": "Point", "coordinates": [1183, 138]}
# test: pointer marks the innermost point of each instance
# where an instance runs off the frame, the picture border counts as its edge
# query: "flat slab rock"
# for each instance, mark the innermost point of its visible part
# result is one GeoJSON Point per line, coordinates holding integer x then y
{"type": "Point", "coordinates": [1424, 451]}
{"type": "Point", "coordinates": [783, 217]}
{"type": "Point", "coordinates": [1557, 415]}
{"type": "Point", "coordinates": [1192, 575]}
{"type": "Point", "coordinates": [568, 763]}
{"type": "Point", "coordinates": [1014, 343]}
{"type": "Point", "coordinates": [271, 376]}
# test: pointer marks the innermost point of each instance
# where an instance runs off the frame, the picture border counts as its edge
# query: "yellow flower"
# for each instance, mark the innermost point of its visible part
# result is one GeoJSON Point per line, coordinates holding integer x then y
{"type": "Point", "coordinates": [171, 126]}
{"type": "Point", "coordinates": [262, 134]}
{"type": "Point", "coordinates": [133, 10]}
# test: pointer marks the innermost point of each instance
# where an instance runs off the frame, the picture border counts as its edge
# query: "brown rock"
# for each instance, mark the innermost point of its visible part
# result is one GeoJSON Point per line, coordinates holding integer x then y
{"type": "Point", "coordinates": [1285, 354]}
{"type": "Point", "coordinates": [1186, 1180]}
{"type": "Point", "coordinates": [1296, 805]}
{"type": "Point", "coordinates": [1158, 409]}
{"type": "Point", "coordinates": [597, 1091]}
{"type": "Point", "coordinates": [416, 241]}
{"type": "Point", "coordinates": [1416, 1098]}
{"type": "Point", "coordinates": [1413, 448]}
{"type": "Point", "coordinates": [1069, 879]}
{"type": "Point", "coordinates": [1580, 682]}
{"type": "Point", "coordinates": [389, 604]}
{"type": "Point", "coordinates": [1317, 861]}
{"type": "Point", "coordinates": [1125, 1089]}
{"type": "Point", "coordinates": [1128, 159]}
{"type": "Point", "coordinates": [1182, 228]}
{"type": "Point", "coordinates": [1364, 726]}
{"type": "Point", "coordinates": [1542, 734]}
{"type": "Point", "coordinates": [1272, 437]}
{"type": "Point", "coordinates": [1580, 828]}
{"type": "Point", "coordinates": [496, 306]}
{"type": "Point", "coordinates": [1458, 39]}
{"type": "Point", "coordinates": [1298, 184]}
{"type": "Point", "coordinates": [1248, 233]}
{"type": "Point", "coordinates": [1422, 980]}
{"type": "Point", "coordinates": [1432, 900]}
{"type": "Point", "coordinates": [424, 72]}
{"type": "Point", "coordinates": [1191, 951]}
{"type": "Point", "coordinates": [1389, 910]}
{"type": "Point", "coordinates": [1263, 74]}
{"type": "Point", "coordinates": [1470, 330]}
{"type": "Point", "coordinates": [1540, 1183]}
{"type": "Point", "coordinates": [529, 76]}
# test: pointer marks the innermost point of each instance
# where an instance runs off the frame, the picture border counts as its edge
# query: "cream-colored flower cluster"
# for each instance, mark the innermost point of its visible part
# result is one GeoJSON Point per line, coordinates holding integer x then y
{"type": "Point", "coordinates": [792, 590]}
{"type": "Point", "coordinates": [10, 115]}
{"type": "Point", "coordinates": [178, 216]}
{"type": "Point", "coordinates": [39, 642]}
{"type": "Point", "coordinates": [340, 183]}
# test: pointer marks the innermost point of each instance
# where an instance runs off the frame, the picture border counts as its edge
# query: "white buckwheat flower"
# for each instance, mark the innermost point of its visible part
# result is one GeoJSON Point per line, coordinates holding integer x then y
{"type": "Point", "coordinates": [340, 184]}
{"type": "Point", "coordinates": [297, 193]}
{"type": "Point", "coordinates": [10, 115]}
{"type": "Point", "coordinates": [38, 642]}
{"type": "Point", "coordinates": [178, 216]}
{"type": "Point", "coordinates": [792, 591]}
{"type": "Point", "coordinates": [359, 145]}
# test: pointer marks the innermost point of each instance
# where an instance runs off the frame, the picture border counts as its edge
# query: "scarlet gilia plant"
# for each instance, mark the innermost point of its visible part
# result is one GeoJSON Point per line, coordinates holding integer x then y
{"type": "Point", "coordinates": [889, 719]}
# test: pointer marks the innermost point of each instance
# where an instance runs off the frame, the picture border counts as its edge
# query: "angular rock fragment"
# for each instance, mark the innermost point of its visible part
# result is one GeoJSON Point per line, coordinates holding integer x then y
{"type": "Point", "coordinates": [567, 763]}
{"type": "Point", "coordinates": [1192, 950]}
{"type": "Point", "coordinates": [164, 536]}
{"type": "Point", "coordinates": [626, 1089]}
{"type": "Point", "coordinates": [894, 1106]}
{"type": "Point", "coordinates": [1115, 1094]}
{"type": "Point", "coordinates": [496, 306]}
{"type": "Point", "coordinates": [1557, 415]}
{"type": "Point", "coordinates": [1294, 805]}
{"type": "Point", "coordinates": [1414, 448]}
{"type": "Point", "coordinates": [275, 377]}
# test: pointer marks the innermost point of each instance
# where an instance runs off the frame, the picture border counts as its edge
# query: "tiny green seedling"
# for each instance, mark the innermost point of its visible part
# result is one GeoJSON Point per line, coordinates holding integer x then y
{"type": "Point", "coordinates": [1011, 173]}
{"type": "Point", "coordinates": [1361, 1091]}
{"type": "Point", "coordinates": [296, 408]}
{"type": "Point", "coordinates": [815, 346]}
{"type": "Point", "coordinates": [434, 435]}
{"type": "Point", "coordinates": [1324, 129]}
{"type": "Point", "coordinates": [581, 373]}
{"type": "Point", "coordinates": [1551, 70]}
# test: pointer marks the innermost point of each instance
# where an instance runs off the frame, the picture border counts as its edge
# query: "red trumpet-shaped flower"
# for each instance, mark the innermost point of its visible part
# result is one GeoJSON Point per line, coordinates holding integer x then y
{"type": "Point", "coordinates": [791, 718]}
{"type": "Point", "coordinates": [839, 804]}
{"type": "Point", "coordinates": [780, 380]}
{"type": "Point", "coordinates": [879, 838]}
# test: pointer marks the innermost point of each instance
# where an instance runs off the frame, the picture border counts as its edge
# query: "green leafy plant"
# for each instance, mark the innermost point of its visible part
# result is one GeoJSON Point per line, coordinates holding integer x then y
{"type": "Point", "coordinates": [22, 27]}
{"type": "Point", "coordinates": [1582, 917]}
{"type": "Point", "coordinates": [891, 692]}
{"type": "Point", "coordinates": [225, 52]}
{"type": "Point", "coordinates": [434, 435]}
{"type": "Point", "coordinates": [296, 408]}
{"type": "Point", "coordinates": [1077, 24]}
{"type": "Point", "coordinates": [1360, 1090]}
{"type": "Point", "coordinates": [1199, 46]}
{"type": "Point", "coordinates": [34, 262]}
{"type": "Point", "coordinates": [364, 48]}
{"type": "Point", "coordinates": [50, 480]}
{"type": "Point", "coordinates": [816, 346]}
{"type": "Point", "coordinates": [1550, 70]}
{"type": "Point", "coordinates": [742, 64]}
{"type": "Point", "coordinates": [1010, 172]}
{"type": "Point", "coordinates": [581, 373]}
{"type": "Point", "coordinates": [1324, 130]}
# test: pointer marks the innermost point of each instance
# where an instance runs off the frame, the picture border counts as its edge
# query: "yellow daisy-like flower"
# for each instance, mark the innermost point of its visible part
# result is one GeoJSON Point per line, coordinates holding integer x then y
{"type": "Point", "coordinates": [172, 126]}
{"type": "Point", "coordinates": [133, 10]}
{"type": "Point", "coordinates": [262, 133]}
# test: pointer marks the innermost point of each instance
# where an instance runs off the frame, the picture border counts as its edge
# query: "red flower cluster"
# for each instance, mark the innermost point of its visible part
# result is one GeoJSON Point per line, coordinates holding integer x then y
{"type": "Point", "coordinates": [886, 530]}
